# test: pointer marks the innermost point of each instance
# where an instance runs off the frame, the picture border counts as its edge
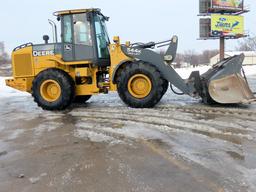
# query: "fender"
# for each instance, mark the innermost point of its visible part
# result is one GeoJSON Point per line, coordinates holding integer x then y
{"type": "Point", "coordinates": [124, 62]}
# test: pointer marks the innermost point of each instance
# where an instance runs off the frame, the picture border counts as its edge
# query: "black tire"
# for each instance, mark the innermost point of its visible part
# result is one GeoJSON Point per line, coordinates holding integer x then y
{"type": "Point", "coordinates": [165, 86]}
{"type": "Point", "coordinates": [82, 98]}
{"type": "Point", "coordinates": [64, 81]}
{"type": "Point", "coordinates": [206, 98]}
{"type": "Point", "coordinates": [151, 73]}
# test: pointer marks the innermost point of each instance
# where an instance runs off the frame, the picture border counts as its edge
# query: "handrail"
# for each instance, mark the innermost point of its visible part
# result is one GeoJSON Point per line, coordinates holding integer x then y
{"type": "Point", "coordinates": [23, 46]}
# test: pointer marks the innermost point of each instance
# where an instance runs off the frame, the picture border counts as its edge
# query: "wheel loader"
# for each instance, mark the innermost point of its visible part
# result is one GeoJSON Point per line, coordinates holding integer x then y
{"type": "Point", "coordinates": [85, 63]}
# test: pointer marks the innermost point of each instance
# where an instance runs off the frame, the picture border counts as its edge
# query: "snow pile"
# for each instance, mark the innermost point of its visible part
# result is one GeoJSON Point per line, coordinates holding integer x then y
{"type": "Point", "coordinates": [250, 70]}
{"type": "Point", "coordinates": [6, 91]}
{"type": "Point", "coordinates": [185, 72]}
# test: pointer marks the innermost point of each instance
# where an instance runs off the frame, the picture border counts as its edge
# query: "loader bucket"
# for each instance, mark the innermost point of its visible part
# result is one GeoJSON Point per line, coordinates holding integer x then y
{"type": "Point", "coordinates": [226, 84]}
{"type": "Point", "coordinates": [231, 89]}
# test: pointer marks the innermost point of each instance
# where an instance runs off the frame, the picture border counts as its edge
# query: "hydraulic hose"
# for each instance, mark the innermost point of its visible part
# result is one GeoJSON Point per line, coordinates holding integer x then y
{"type": "Point", "coordinates": [175, 91]}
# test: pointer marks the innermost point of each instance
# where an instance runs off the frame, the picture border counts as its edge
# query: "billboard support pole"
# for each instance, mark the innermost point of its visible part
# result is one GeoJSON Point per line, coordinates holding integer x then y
{"type": "Point", "coordinates": [222, 48]}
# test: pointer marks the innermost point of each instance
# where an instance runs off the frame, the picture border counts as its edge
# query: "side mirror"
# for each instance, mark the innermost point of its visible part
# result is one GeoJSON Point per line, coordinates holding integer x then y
{"type": "Point", "coordinates": [46, 39]}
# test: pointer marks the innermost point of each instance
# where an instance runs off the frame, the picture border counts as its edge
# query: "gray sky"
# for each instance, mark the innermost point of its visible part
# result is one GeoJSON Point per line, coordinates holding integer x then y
{"type": "Point", "coordinates": [135, 20]}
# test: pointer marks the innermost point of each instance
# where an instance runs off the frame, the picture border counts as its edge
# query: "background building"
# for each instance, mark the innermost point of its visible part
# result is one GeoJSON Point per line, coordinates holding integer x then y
{"type": "Point", "coordinates": [250, 57]}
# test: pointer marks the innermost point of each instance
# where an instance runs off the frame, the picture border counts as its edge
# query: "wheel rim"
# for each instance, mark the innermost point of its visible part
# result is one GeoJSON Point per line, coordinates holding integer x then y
{"type": "Point", "coordinates": [50, 90]}
{"type": "Point", "coordinates": [139, 86]}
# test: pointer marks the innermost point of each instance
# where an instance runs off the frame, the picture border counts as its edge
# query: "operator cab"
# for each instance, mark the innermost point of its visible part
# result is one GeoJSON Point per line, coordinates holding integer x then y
{"type": "Point", "coordinates": [84, 36]}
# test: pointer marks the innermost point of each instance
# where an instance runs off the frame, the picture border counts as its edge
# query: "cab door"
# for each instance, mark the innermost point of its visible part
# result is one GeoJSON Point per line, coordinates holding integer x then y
{"type": "Point", "coordinates": [77, 38]}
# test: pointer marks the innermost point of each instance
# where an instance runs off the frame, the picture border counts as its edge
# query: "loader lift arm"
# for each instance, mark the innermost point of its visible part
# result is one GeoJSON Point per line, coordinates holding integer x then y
{"type": "Point", "coordinates": [141, 52]}
{"type": "Point", "coordinates": [223, 83]}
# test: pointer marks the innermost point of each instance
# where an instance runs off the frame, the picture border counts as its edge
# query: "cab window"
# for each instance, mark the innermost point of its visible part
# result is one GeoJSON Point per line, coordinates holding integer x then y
{"type": "Point", "coordinates": [67, 29]}
{"type": "Point", "coordinates": [82, 30]}
{"type": "Point", "coordinates": [101, 37]}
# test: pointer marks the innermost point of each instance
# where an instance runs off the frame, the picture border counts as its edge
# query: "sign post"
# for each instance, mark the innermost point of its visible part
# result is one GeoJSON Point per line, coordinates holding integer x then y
{"type": "Point", "coordinates": [225, 21]}
{"type": "Point", "coordinates": [222, 48]}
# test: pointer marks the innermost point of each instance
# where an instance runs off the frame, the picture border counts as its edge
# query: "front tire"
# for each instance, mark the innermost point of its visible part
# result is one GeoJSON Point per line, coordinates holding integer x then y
{"type": "Point", "coordinates": [53, 89]}
{"type": "Point", "coordinates": [140, 85]}
{"type": "Point", "coordinates": [165, 86]}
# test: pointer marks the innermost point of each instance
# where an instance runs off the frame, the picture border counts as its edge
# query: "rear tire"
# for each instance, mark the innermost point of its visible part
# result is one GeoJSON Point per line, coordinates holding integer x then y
{"type": "Point", "coordinates": [82, 98]}
{"type": "Point", "coordinates": [140, 85]}
{"type": "Point", "coordinates": [53, 89]}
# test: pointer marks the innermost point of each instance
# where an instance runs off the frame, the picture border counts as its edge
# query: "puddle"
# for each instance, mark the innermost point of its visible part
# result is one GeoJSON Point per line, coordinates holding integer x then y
{"type": "Point", "coordinates": [3, 153]}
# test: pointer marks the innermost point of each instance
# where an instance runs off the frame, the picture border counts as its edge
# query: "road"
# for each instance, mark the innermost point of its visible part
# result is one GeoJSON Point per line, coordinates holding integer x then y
{"type": "Point", "coordinates": [104, 146]}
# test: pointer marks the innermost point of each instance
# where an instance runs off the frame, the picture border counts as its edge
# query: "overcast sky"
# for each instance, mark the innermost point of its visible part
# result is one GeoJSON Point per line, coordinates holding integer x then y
{"type": "Point", "coordinates": [135, 20]}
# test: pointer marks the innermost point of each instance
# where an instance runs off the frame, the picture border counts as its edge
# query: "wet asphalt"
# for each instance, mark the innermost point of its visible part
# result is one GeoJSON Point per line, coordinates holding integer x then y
{"type": "Point", "coordinates": [104, 146]}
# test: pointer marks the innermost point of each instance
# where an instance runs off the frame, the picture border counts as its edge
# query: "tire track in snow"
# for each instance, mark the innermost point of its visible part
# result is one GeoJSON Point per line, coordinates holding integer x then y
{"type": "Point", "coordinates": [169, 124]}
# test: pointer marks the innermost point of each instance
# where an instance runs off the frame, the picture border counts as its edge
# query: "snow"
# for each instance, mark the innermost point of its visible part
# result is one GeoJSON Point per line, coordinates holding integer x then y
{"type": "Point", "coordinates": [15, 134]}
{"type": "Point", "coordinates": [250, 70]}
{"type": "Point", "coordinates": [6, 91]}
{"type": "Point", "coordinates": [185, 72]}
{"type": "Point", "coordinates": [92, 136]}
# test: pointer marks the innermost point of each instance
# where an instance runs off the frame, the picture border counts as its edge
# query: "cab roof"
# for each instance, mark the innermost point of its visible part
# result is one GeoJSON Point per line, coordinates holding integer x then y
{"type": "Point", "coordinates": [74, 11]}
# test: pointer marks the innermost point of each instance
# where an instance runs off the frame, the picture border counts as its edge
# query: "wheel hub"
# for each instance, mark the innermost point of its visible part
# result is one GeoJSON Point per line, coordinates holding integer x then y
{"type": "Point", "coordinates": [50, 90]}
{"type": "Point", "coordinates": [139, 86]}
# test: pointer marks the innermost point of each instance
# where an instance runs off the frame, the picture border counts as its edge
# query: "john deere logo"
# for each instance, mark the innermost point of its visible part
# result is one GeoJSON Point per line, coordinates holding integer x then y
{"type": "Point", "coordinates": [42, 53]}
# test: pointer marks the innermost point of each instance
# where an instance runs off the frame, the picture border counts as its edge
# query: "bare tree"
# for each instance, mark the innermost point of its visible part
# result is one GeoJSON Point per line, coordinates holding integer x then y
{"type": "Point", "coordinates": [4, 58]}
{"type": "Point", "coordinates": [207, 55]}
{"type": "Point", "coordinates": [191, 57]}
{"type": "Point", "coordinates": [248, 44]}
{"type": "Point", "coordinates": [179, 59]}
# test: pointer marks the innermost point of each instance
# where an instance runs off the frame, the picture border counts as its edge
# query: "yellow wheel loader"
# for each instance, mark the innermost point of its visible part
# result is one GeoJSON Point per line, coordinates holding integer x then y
{"type": "Point", "coordinates": [85, 63]}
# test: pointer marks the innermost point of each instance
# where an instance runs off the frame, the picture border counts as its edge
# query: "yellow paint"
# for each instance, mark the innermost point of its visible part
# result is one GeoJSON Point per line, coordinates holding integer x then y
{"type": "Point", "coordinates": [83, 72]}
{"type": "Point", "coordinates": [182, 165]}
{"type": "Point", "coordinates": [74, 11]}
{"type": "Point", "coordinates": [227, 24]}
{"type": "Point", "coordinates": [22, 63]}
{"type": "Point", "coordinates": [116, 39]}
{"type": "Point", "coordinates": [89, 89]}
{"type": "Point", "coordinates": [116, 57]}
{"type": "Point", "coordinates": [22, 84]}
{"type": "Point", "coordinates": [139, 86]}
{"type": "Point", "coordinates": [50, 90]}
{"type": "Point", "coordinates": [26, 67]}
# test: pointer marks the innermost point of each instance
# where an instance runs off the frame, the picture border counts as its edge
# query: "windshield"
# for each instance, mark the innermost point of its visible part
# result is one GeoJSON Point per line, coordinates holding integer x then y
{"type": "Point", "coordinates": [102, 37]}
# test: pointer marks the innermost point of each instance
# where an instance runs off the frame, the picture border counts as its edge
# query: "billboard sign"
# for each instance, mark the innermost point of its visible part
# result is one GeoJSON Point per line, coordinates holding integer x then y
{"type": "Point", "coordinates": [228, 4]}
{"type": "Point", "coordinates": [227, 26]}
